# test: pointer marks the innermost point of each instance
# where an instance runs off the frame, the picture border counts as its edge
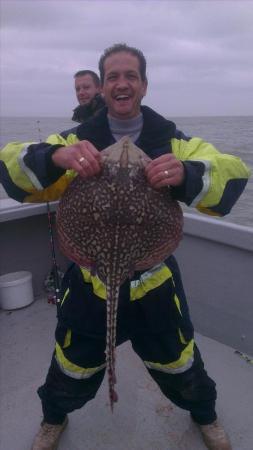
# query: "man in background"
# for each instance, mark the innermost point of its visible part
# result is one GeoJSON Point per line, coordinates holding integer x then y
{"type": "Point", "coordinates": [88, 94]}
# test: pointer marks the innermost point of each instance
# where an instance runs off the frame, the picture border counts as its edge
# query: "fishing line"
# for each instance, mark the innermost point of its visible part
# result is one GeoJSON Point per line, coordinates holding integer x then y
{"type": "Point", "coordinates": [54, 271]}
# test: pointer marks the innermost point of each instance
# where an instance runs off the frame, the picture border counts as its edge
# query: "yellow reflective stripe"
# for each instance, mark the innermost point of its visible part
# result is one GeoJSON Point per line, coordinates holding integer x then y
{"type": "Point", "coordinates": [208, 211]}
{"type": "Point", "coordinates": [31, 175]}
{"type": "Point", "coordinates": [181, 365]}
{"type": "Point", "coordinates": [181, 337]}
{"type": "Point", "coordinates": [206, 180]}
{"type": "Point", "coordinates": [65, 296]}
{"type": "Point", "coordinates": [99, 288]}
{"type": "Point", "coordinates": [149, 280]}
{"type": "Point", "coordinates": [176, 300]}
{"type": "Point", "coordinates": [67, 340]}
{"type": "Point", "coordinates": [10, 156]}
{"type": "Point", "coordinates": [139, 288]}
{"type": "Point", "coordinates": [72, 370]}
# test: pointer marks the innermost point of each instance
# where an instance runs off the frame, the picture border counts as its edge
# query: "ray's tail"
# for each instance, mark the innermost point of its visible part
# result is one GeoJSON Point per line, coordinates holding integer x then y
{"type": "Point", "coordinates": [112, 306]}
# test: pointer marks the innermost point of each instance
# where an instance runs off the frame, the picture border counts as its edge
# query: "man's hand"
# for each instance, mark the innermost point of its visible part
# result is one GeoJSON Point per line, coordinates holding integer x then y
{"type": "Point", "coordinates": [82, 157]}
{"type": "Point", "coordinates": [166, 170]}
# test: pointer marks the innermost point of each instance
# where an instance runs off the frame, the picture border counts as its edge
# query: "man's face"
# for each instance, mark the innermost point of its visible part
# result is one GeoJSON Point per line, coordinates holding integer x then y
{"type": "Point", "coordinates": [85, 89]}
{"type": "Point", "coordinates": [123, 87]}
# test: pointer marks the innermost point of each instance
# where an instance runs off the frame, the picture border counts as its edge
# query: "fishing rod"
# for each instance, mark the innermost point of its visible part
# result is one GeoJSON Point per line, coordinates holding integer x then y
{"type": "Point", "coordinates": [54, 271]}
{"type": "Point", "coordinates": [56, 278]}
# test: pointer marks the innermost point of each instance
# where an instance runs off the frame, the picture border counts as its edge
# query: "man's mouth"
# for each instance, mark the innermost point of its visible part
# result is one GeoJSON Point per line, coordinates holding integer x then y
{"type": "Point", "coordinates": [122, 97]}
{"type": "Point", "coordinates": [83, 99]}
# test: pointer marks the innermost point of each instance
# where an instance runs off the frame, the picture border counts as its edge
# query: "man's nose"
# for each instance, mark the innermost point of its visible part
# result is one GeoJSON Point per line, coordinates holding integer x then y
{"type": "Point", "coordinates": [122, 82]}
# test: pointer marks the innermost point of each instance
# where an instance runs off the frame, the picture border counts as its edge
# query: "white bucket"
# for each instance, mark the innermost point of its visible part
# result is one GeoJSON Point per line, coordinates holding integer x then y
{"type": "Point", "coordinates": [16, 290]}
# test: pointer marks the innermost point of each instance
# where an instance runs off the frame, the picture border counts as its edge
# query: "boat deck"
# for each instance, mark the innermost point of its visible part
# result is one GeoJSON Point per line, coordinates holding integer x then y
{"type": "Point", "coordinates": [143, 418]}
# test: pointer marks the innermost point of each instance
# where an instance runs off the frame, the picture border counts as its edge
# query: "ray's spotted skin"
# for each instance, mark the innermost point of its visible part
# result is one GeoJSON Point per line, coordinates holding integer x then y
{"type": "Point", "coordinates": [116, 223]}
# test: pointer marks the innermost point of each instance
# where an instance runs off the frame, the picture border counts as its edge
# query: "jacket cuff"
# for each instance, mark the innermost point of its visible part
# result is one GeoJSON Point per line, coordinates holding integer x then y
{"type": "Point", "coordinates": [192, 184]}
{"type": "Point", "coordinates": [54, 172]}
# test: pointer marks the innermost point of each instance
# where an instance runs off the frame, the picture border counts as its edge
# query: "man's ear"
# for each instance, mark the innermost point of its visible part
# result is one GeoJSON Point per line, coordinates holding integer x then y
{"type": "Point", "coordinates": [144, 88]}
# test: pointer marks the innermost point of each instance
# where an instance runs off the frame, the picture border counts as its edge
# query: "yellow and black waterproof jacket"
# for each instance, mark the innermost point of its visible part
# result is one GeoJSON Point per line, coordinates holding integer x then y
{"type": "Point", "coordinates": [213, 183]}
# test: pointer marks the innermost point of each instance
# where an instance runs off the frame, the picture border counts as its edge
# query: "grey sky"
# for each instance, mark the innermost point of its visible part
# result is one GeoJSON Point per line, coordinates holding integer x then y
{"type": "Point", "coordinates": [199, 53]}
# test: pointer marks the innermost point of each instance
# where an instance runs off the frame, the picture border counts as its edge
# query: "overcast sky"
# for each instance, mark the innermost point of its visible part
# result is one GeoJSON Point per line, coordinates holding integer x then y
{"type": "Point", "coordinates": [199, 53]}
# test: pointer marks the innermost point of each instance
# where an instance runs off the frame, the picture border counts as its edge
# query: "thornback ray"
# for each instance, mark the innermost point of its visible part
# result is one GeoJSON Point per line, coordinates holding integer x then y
{"type": "Point", "coordinates": [114, 224]}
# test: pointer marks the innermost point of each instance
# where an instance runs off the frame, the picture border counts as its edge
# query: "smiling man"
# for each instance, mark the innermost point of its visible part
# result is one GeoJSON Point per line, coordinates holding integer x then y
{"type": "Point", "coordinates": [124, 85]}
{"type": "Point", "coordinates": [156, 318]}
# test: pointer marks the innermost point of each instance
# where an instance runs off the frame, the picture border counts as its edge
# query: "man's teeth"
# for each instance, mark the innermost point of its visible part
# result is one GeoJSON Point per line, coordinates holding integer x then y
{"type": "Point", "coordinates": [122, 97]}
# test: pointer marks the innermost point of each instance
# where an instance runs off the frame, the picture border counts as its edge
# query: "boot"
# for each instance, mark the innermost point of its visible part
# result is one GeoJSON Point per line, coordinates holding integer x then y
{"type": "Point", "coordinates": [48, 436]}
{"type": "Point", "coordinates": [214, 436]}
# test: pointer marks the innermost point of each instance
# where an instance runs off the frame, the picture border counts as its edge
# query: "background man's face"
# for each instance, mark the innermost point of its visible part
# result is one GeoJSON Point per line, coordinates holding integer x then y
{"type": "Point", "coordinates": [85, 89]}
{"type": "Point", "coordinates": [123, 87]}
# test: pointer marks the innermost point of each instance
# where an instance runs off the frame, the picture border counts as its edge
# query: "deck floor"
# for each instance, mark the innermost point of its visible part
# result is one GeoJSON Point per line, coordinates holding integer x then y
{"type": "Point", "coordinates": [143, 418]}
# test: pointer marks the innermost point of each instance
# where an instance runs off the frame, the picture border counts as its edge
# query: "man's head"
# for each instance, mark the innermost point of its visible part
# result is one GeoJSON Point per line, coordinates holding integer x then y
{"type": "Point", "coordinates": [87, 85]}
{"type": "Point", "coordinates": [124, 82]}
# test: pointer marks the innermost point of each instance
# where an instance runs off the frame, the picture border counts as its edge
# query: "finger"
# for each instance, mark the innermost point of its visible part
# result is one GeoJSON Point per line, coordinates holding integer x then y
{"type": "Point", "coordinates": [86, 145]}
{"type": "Point", "coordinates": [90, 163]}
{"type": "Point", "coordinates": [163, 159]}
{"type": "Point", "coordinates": [79, 168]}
{"type": "Point", "coordinates": [91, 155]}
{"type": "Point", "coordinates": [86, 169]}
{"type": "Point", "coordinates": [80, 165]}
{"type": "Point", "coordinates": [162, 165]}
{"type": "Point", "coordinates": [162, 182]}
{"type": "Point", "coordinates": [164, 177]}
{"type": "Point", "coordinates": [157, 172]}
{"type": "Point", "coordinates": [152, 170]}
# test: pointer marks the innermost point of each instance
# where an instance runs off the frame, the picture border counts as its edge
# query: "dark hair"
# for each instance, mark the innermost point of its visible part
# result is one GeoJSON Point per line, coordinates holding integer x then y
{"type": "Point", "coordinates": [117, 48]}
{"type": "Point", "coordinates": [94, 76]}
